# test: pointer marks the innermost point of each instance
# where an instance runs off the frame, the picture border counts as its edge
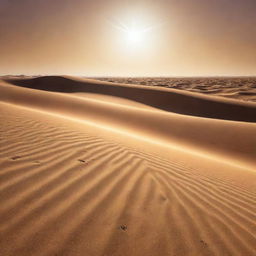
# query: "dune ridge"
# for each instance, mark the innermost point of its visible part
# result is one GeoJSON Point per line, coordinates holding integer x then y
{"type": "Point", "coordinates": [241, 88]}
{"type": "Point", "coordinates": [182, 102]}
{"type": "Point", "coordinates": [68, 188]}
{"type": "Point", "coordinates": [205, 135]}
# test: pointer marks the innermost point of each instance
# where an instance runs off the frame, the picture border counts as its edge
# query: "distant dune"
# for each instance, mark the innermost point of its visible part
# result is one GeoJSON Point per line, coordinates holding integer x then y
{"type": "Point", "coordinates": [177, 101]}
{"type": "Point", "coordinates": [90, 167]}
{"type": "Point", "coordinates": [240, 88]}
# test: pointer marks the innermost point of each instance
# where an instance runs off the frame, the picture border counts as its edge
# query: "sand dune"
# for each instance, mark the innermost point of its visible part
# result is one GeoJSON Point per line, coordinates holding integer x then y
{"type": "Point", "coordinates": [112, 169]}
{"type": "Point", "coordinates": [173, 100]}
{"type": "Point", "coordinates": [241, 88]}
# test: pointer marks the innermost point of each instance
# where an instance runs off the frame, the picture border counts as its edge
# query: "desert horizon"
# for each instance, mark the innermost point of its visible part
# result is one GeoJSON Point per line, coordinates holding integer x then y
{"type": "Point", "coordinates": [127, 128]}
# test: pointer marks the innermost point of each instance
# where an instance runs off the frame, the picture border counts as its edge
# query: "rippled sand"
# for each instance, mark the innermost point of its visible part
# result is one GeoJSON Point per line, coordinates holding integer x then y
{"type": "Point", "coordinates": [96, 168]}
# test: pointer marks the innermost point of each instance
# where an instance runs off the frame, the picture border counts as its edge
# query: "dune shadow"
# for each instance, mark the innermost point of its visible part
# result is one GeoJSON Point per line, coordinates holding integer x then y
{"type": "Point", "coordinates": [168, 100]}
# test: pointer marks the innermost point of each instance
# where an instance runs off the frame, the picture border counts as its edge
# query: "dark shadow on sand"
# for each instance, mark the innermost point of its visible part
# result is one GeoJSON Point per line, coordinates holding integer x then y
{"type": "Point", "coordinates": [168, 100]}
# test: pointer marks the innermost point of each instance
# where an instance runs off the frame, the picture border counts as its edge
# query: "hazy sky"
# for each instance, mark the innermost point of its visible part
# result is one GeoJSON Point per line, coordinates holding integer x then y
{"type": "Point", "coordinates": [129, 37]}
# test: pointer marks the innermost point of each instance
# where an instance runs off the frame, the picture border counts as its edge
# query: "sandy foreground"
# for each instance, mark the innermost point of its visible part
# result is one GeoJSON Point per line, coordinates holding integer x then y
{"type": "Point", "coordinates": [97, 168]}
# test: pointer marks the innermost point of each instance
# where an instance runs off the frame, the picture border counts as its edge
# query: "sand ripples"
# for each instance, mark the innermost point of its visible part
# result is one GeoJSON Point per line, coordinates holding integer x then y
{"type": "Point", "coordinates": [65, 192]}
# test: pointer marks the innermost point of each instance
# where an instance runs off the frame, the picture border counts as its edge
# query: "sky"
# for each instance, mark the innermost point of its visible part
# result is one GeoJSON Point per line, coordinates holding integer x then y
{"type": "Point", "coordinates": [128, 37]}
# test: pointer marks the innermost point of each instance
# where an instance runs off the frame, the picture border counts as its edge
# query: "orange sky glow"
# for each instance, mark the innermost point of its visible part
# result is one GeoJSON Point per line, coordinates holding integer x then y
{"type": "Point", "coordinates": [128, 38]}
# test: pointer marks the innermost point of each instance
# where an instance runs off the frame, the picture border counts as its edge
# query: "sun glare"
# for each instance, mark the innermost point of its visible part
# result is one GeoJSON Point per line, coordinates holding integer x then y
{"type": "Point", "coordinates": [134, 33]}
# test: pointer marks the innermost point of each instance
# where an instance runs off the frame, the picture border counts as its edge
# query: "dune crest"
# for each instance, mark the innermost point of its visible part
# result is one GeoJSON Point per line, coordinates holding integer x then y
{"type": "Point", "coordinates": [204, 135]}
{"type": "Point", "coordinates": [173, 100]}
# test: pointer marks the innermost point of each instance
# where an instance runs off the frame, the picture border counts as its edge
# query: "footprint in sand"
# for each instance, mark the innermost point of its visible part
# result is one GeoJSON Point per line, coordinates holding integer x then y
{"type": "Point", "coordinates": [204, 243]}
{"type": "Point", "coordinates": [15, 157]}
{"type": "Point", "coordinates": [82, 161]}
{"type": "Point", "coordinates": [123, 227]}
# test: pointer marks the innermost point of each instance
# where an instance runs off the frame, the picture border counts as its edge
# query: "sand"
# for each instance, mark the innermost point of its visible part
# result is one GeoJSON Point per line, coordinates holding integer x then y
{"type": "Point", "coordinates": [241, 88]}
{"type": "Point", "coordinates": [98, 168]}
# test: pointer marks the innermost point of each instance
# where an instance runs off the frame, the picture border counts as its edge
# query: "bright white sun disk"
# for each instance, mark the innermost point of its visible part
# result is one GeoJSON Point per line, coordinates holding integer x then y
{"type": "Point", "coordinates": [134, 35]}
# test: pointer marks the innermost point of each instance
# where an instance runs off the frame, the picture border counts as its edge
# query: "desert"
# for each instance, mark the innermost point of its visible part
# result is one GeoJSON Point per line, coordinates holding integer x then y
{"type": "Point", "coordinates": [127, 128]}
{"type": "Point", "coordinates": [88, 169]}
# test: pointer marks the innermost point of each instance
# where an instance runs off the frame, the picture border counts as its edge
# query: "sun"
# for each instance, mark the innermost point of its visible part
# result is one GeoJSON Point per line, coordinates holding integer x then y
{"type": "Point", "coordinates": [133, 33]}
{"type": "Point", "coordinates": [136, 35]}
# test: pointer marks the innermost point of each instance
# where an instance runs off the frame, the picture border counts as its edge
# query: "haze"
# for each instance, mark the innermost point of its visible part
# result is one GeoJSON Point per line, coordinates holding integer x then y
{"type": "Point", "coordinates": [187, 38]}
